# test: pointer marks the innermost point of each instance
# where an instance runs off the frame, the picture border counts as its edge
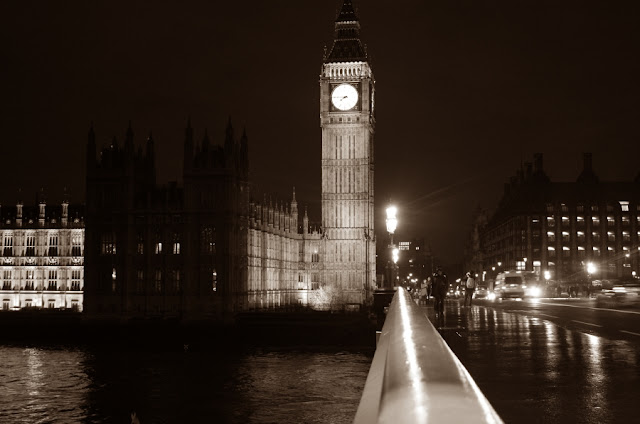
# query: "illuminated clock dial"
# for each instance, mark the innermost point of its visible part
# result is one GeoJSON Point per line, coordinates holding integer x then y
{"type": "Point", "coordinates": [344, 96]}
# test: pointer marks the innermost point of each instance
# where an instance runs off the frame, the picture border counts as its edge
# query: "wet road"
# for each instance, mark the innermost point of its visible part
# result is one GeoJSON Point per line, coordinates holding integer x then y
{"type": "Point", "coordinates": [551, 361]}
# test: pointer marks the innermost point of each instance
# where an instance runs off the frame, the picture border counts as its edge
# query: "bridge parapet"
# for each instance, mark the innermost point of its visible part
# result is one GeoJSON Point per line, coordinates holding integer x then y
{"type": "Point", "coordinates": [416, 378]}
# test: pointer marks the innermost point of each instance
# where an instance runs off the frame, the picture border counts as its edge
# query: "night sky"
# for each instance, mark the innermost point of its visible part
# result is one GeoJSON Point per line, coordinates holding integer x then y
{"type": "Point", "coordinates": [466, 91]}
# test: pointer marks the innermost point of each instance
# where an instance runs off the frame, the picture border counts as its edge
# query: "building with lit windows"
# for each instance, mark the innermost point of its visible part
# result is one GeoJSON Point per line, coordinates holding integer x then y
{"type": "Point", "coordinates": [560, 227]}
{"type": "Point", "coordinates": [41, 261]}
{"type": "Point", "coordinates": [415, 262]}
{"type": "Point", "coordinates": [209, 246]}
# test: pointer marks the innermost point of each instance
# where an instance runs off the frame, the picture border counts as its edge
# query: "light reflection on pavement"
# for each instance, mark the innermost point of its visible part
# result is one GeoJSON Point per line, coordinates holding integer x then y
{"type": "Point", "coordinates": [548, 361]}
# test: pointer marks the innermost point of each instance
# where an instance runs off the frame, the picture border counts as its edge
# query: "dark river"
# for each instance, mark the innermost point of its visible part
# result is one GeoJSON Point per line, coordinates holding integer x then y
{"type": "Point", "coordinates": [55, 384]}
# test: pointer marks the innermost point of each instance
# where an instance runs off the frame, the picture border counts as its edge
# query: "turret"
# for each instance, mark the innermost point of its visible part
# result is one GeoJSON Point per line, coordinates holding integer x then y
{"type": "Point", "coordinates": [41, 209]}
{"type": "Point", "coordinates": [19, 213]}
{"type": "Point", "coordinates": [294, 212]}
{"type": "Point", "coordinates": [305, 222]}
{"type": "Point", "coordinates": [65, 210]}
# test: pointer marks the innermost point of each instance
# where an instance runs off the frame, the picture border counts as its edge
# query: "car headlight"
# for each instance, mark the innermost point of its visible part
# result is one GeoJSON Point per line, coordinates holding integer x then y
{"type": "Point", "coordinates": [491, 296]}
{"type": "Point", "coordinates": [535, 291]}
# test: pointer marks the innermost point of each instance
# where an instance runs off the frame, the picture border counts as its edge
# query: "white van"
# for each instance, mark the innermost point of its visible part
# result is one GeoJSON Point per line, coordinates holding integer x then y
{"type": "Point", "coordinates": [516, 284]}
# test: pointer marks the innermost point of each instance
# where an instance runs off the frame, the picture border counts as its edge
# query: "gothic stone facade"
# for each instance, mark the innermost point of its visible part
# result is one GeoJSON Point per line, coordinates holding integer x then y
{"type": "Point", "coordinates": [208, 248]}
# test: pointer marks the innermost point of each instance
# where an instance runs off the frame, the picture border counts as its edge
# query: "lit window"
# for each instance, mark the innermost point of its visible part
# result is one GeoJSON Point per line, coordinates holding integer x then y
{"type": "Point", "coordinates": [108, 244]}
{"type": "Point", "coordinates": [176, 248]}
{"type": "Point", "coordinates": [624, 205]}
{"type": "Point", "coordinates": [76, 244]}
{"type": "Point", "coordinates": [53, 245]}
{"type": "Point", "coordinates": [611, 220]}
{"type": "Point", "coordinates": [31, 245]}
{"type": "Point", "coordinates": [214, 280]}
{"type": "Point", "coordinates": [53, 279]}
{"type": "Point", "coordinates": [8, 245]}
{"type": "Point", "coordinates": [596, 221]}
{"type": "Point", "coordinates": [158, 248]}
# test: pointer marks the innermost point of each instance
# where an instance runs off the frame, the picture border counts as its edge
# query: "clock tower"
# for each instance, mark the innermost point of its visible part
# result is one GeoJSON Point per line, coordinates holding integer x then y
{"type": "Point", "coordinates": [348, 123]}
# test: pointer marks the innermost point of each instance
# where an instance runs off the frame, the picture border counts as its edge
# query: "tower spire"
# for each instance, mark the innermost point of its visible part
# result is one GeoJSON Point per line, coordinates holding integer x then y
{"type": "Point", "coordinates": [347, 46]}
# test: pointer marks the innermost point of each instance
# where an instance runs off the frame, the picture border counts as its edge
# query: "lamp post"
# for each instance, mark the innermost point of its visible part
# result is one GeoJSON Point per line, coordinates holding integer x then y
{"type": "Point", "coordinates": [591, 269]}
{"type": "Point", "coordinates": [392, 223]}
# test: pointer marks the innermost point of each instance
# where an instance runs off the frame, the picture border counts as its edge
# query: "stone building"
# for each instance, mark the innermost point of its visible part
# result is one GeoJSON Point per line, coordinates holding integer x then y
{"type": "Point", "coordinates": [209, 247]}
{"type": "Point", "coordinates": [560, 227]}
{"type": "Point", "coordinates": [41, 260]}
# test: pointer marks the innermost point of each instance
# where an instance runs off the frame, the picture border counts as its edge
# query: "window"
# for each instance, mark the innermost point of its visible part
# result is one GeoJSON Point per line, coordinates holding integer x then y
{"type": "Point", "coordinates": [158, 248]}
{"type": "Point", "coordinates": [51, 304]}
{"type": "Point", "coordinates": [6, 280]}
{"type": "Point", "coordinates": [564, 207]}
{"type": "Point", "coordinates": [624, 206]}
{"type": "Point", "coordinates": [596, 251]}
{"type": "Point", "coordinates": [566, 252]}
{"type": "Point", "coordinates": [28, 303]}
{"type": "Point", "coordinates": [53, 245]}
{"type": "Point", "coordinates": [626, 236]}
{"type": "Point", "coordinates": [595, 220]}
{"type": "Point", "coordinates": [580, 236]}
{"type": "Point", "coordinates": [76, 245]}
{"type": "Point", "coordinates": [5, 304]}
{"type": "Point", "coordinates": [551, 236]}
{"type": "Point", "coordinates": [551, 222]}
{"type": "Point", "coordinates": [611, 221]}
{"type": "Point", "coordinates": [29, 284]}
{"type": "Point", "coordinates": [611, 236]}
{"type": "Point", "coordinates": [31, 245]}
{"type": "Point", "coordinates": [140, 245]}
{"type": "Point", "coordinates": [75, 279]}
{"type": "Point", "coordinates": [140, 281]}
{"type": "Point", "coordinates": [208, 240]}
{"type": "Point", "coordinates": [565, 221]}
{"type": "Point", "coordinates": [109, 244]}
{"type": "Point", "coordinates": [580, 208]}
{"type": "Point", "coordinates": [565, 236]}
{"type": "Point", "coordinates": [595, 236]}
{"type": "Point", "coordinates": [625, 221]}
{"type": "Point", "coordinates": [53, 280]}
{"type": "Point", "coordinates": [300, 282]}
{"type": "Point", "coordinates": [594, 208]}
{"type": "Point", "coordinates": [214, 280]}
{"type": "Point", "coordinates": [175, 281]}
{"type": "Point", "coordinates": [176, 247]}
{"type": "Point", "coordinates": [114, 283]}
{"type": "Point", "coordinates": [315, 257]}
{"type": "Point", "coordinates": [8, 245]}
{"type": "Point", "coordinates": [158, 281]}
{"type": "Point", "coordinates": [551, 251]}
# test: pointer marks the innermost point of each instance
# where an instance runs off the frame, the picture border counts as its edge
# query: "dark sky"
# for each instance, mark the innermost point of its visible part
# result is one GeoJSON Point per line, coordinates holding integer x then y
{"type": "Point", "coordinates": [466, 90]}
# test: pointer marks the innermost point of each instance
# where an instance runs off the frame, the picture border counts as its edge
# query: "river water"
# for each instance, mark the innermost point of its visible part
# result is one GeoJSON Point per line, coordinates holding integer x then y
{"type": "Point", "coordinates": [63, 384]}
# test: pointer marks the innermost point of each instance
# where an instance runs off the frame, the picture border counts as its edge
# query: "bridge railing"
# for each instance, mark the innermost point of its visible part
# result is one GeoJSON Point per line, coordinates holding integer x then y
{"type": "Point", "coordinates": [416, 378]}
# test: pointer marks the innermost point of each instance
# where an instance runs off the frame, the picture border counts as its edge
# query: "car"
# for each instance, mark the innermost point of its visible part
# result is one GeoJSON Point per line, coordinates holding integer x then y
{"type": "Point", "coordinates": [517, 284]}
{"type": "Point", "coordinates": [619, 294]}
{"type": "Point", "coordinates": [483, 292]}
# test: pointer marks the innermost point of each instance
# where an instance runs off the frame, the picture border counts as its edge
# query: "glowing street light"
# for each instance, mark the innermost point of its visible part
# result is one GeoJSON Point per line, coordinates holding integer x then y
{"type": "Point", "coordinates": [392, 224]}
{"type": "Point", "coordinates": [547, 275]}
{"type": "Point", "coordinates": [591, 268]}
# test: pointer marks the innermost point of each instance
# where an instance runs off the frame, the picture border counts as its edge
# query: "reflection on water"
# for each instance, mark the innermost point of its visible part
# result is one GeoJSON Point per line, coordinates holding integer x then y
{"type": "Point", "coordinates": [67, 385]}
{"type": "Point", "coordinates": [42, 385]}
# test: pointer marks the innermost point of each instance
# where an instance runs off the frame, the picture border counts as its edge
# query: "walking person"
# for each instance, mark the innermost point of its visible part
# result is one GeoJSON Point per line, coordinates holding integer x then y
{"type": "Point", "coordinates": [470, 288]}
{"type": "Point", "coordinates": [440, 284]}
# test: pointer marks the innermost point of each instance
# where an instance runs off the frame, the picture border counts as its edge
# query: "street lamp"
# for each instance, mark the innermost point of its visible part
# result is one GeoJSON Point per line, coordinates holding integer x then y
{"type": "Point", "coordinates": [392, 224]}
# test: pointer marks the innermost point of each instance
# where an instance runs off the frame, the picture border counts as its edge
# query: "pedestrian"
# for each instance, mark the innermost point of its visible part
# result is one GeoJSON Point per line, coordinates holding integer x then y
{"type": "Point", "coordinates": [440, 284]}
{"type": "Point", "coordinates": [470, 287]}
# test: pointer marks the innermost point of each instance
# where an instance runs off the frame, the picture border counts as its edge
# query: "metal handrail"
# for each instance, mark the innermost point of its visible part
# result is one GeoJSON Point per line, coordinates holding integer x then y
{"type": "Point", "coordinates": [416, 378]}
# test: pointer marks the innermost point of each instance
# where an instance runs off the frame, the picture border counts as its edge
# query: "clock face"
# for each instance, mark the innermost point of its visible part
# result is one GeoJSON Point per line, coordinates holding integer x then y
{"type": "Point", "coordinates": [344, 96]}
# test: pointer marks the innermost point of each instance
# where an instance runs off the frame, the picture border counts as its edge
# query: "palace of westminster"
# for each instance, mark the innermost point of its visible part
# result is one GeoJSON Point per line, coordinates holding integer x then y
{"type": "Point", "coordinates": [209, 247]}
